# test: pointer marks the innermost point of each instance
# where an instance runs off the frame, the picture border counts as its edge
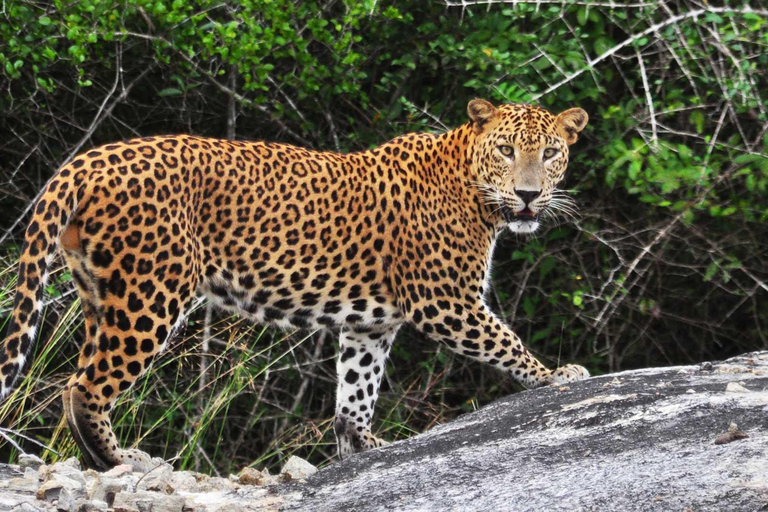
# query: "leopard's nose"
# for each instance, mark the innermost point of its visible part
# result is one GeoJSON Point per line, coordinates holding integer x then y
{"type": "Point", "coordinates": [528, 196]}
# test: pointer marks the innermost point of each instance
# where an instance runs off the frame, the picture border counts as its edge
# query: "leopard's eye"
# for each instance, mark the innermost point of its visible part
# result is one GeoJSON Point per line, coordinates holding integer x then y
{"type": "Point", "coordinates": [507, 151]}
{"type": "Point", "coordinates": [549, 153]}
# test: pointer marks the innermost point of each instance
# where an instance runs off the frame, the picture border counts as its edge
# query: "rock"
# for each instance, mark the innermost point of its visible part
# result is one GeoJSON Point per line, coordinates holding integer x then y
{"type": "Point", "coordinates": [69, 468]}
{"type": "Point", "coordinates": [105, 488]}
{"type": "Point", "coordinates": [70, 499]}
{"type": "Point", "coordinates": [70, 462]}
{"type": "Point", "coordinates": [187, 480]}
{"type": "Point", "coordinates": [635, 448]}
{"type": "Point", "coordinates": [735, 387]}
{"type": "Point", "coordinates": [118, 471]}
{"type": "Point", "coordinates": [27, 460]}
{"type": "Point", "coordinates": [28, 483]}
{"type": "Point", "coordinates": [217, 483]}
{"type": "Point", "coordinates": [158, 478]}
{"type": "Point", "coordinates": [297, 469]}
{"type": "Point", "coordinates": [652, 439]}
{"type": "Point", "coordinates": [232, 507]}
{"type": "Point", "coordinates": [92, 506]}
{"type": "Point", "coordinates": [251, 476]}
{"type": "Point", "coordinates": [51, 490]}
{"type": "Point", "coordinates": [145, 501]}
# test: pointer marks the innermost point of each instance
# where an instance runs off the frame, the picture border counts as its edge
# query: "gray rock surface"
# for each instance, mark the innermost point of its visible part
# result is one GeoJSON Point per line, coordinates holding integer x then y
{"type": "Point", "coordinates": [634, 441]}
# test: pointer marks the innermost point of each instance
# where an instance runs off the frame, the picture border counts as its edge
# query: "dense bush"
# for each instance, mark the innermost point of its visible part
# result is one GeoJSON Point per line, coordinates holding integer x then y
{"type": "Point", "coordinates": [664, 264]}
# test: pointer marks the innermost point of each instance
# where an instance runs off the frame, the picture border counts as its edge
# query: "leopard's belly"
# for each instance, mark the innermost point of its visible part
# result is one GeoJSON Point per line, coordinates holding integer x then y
{"type": "Point", "coordinates": [302, 305]}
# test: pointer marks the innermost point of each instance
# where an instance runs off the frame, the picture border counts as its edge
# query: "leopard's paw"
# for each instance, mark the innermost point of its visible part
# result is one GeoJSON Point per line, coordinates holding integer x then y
{"type": "Point", "coordinates": [351, 441]}
{"type": "Point", "coordinates": [373, 441]}
{"type": "Point", "coordinates": [568, 373]}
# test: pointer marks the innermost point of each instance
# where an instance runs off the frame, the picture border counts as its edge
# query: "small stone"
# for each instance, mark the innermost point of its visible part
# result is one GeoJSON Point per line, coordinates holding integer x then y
{"type": "Point", "coordinates": [69, 468]}
{"type": "Point", "coordinates": [91, 506]}
{"type": "Point", "coordinates": [144, 501]}
{"type": "Point", "coordinates": [71, 462]}
{"type": "Point", "coordinates": [52, 489]}
{"type": "Point", "coordinates": [230, 507]}
{"type": "Point", "coordinates": [731, 369]}
{"type": "Point", "coordinates": [29, 483]}
{"type": "Point", "coordinates": [217, 483]}
{"type": "Point", "coordinates": [251, 476]}
{"type": "Point", "coordinates": [158, 479]}
{"type": "Point", "coordinates": [735, 387]}
{"type": "Point", "coordinates": [27, 460]}
{"type": "Point", "coordinates": [187, 480]}
{"type": "Point", "coordinates": [104, 488]}
{"type": "Point", "coordinates": [118, 471]}
{"type": "Point", "coordinates": [690, 391]}
{"type": "Point", "coordinates": [297, 469]}
{"type": "Point", "coordinates": [69, 498]}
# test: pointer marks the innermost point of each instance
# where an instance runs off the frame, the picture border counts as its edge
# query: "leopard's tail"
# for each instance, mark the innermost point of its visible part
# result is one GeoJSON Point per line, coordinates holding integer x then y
{"type": "Point", "coordinates": [52, 213]}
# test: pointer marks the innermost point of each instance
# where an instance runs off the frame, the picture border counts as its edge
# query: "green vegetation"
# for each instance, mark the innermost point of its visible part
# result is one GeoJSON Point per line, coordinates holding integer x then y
{"type": "Point", "coordinates": [665, 264]}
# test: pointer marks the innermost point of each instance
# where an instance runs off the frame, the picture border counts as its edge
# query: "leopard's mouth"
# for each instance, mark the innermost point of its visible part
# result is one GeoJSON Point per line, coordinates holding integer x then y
{"type": "Point", "coordinates": [525, 215]}
{"type": "Point", "coordinates": [524, 221]}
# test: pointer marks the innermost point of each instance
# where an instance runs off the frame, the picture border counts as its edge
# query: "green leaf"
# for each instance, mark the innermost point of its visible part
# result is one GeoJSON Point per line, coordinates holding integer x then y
{"type": "Point", "coordinates": [711, 271]}
{"type": "Point", "coordinates": [602, 45]}
{"type": "Point", "coordinates": [519, 255]}
{"type": "Point", "coordinates": [170, 91]}
{"type": "Point", "coordinates": [546, 266]}
{"type": "Point", "coordinates": [581, 16]}
{"type": "Point", "coordinates": [529, 307]}
{"type": "Point", "coordinates": [697, 120]}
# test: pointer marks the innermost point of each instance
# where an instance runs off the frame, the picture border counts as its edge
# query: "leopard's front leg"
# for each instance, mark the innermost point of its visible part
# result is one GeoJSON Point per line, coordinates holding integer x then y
{"type": "Point", "coordinates": [472, 330]}
{"type": "Point", "coordinates": [360, 367]}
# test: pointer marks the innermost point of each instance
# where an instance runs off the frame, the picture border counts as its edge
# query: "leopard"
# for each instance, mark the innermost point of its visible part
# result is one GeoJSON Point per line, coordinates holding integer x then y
{"type": "Point", "coordinates": [359, 243]}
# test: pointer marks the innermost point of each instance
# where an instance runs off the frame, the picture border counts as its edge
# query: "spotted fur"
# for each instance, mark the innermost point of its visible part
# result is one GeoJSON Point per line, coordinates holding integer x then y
{"type": "Point", "coordinates": [363, 242]}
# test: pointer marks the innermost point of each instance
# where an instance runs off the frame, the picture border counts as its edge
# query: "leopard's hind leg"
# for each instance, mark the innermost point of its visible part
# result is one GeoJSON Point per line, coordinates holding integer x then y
{"type": "Point", "coordinates": [86, 288]}
{"type": "Point", "coordinates": [130, 317]}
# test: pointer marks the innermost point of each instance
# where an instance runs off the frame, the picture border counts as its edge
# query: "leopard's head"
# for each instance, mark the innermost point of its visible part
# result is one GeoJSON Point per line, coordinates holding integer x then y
{"type": "Point", "coordinates": [519, 157]}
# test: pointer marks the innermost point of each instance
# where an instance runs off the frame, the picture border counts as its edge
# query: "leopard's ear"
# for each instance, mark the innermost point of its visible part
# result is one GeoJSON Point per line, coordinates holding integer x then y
{"type": "Point", "coordinates": [570, 123]}
{"type": "Point", "coordinates": [480, 113]}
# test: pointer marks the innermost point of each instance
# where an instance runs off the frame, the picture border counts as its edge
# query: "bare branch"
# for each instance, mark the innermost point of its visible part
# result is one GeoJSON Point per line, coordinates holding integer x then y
{"type": "Point", "coordinates": [650, 30]}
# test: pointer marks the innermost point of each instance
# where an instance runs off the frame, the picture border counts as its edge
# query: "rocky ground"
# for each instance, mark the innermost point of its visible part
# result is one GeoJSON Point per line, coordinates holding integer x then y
{"type": "Point", "coordinates": [679, 438]}
{"type": "Point", "coordinates": [34, 486]}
